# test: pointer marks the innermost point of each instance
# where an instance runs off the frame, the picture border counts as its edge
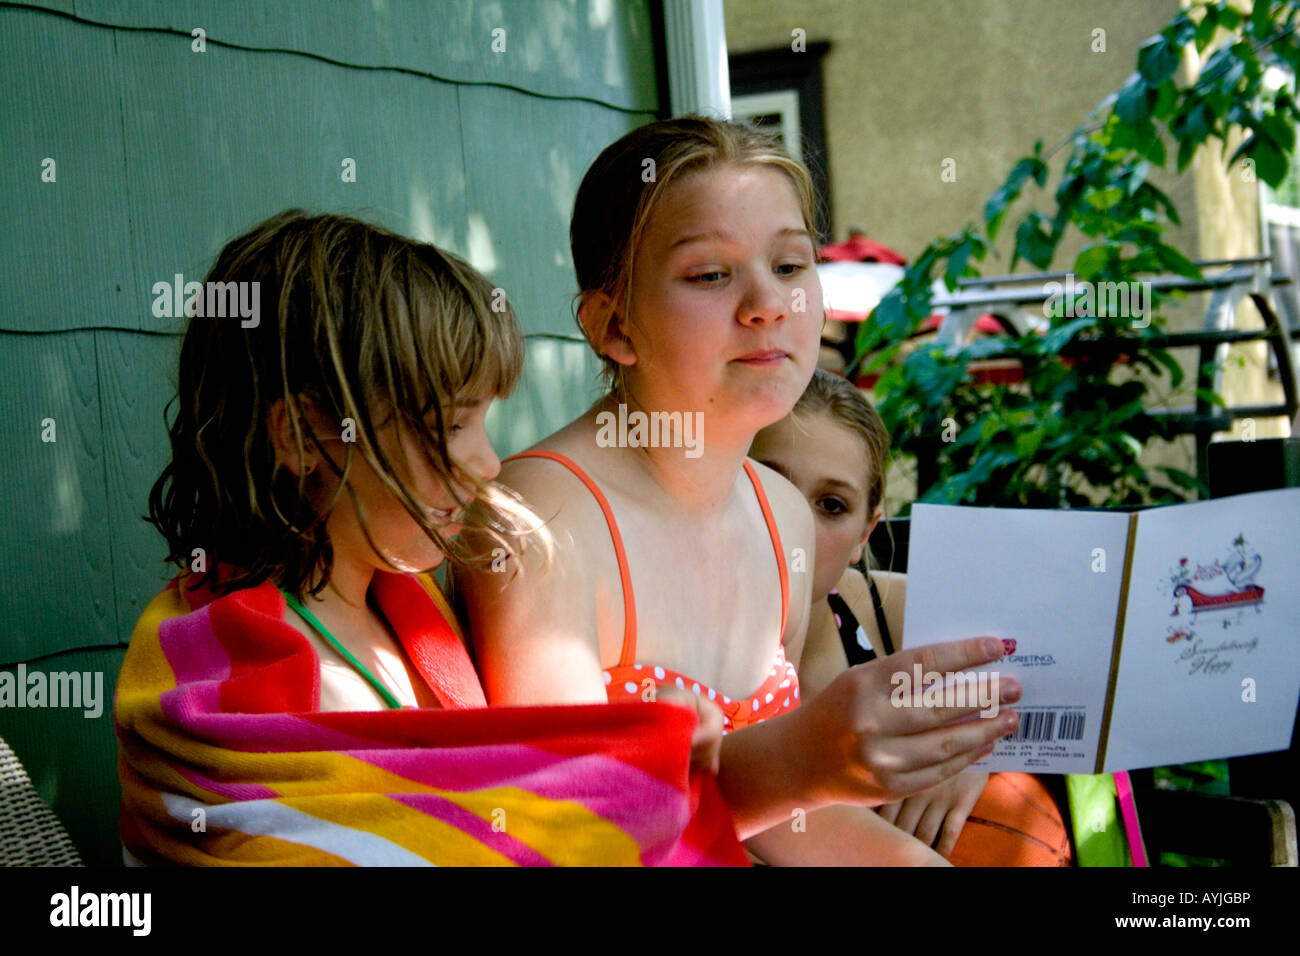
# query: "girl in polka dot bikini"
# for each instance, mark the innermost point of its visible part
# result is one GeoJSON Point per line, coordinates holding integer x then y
{"type": "Point", "coordinates": [681, 567]}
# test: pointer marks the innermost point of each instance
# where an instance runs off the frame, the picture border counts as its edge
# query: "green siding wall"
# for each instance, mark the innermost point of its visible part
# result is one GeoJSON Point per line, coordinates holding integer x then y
{"type": "Point", "coordinates": [163, 154]}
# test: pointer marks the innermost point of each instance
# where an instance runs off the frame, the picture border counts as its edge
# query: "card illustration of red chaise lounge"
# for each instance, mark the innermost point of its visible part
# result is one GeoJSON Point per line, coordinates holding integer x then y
{"type": "Point", "coordinates": [1227, 583]}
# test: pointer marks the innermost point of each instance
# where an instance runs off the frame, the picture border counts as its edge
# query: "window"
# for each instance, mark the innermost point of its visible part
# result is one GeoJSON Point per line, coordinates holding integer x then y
{"type": "Point", "coordinates": [778, 112]}
{"type": "Point", "coordinates": [781, 90]}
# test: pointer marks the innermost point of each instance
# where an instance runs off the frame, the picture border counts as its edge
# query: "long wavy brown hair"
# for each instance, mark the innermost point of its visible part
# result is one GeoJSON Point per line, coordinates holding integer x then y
{"type": "Point", "coordinates": [368, 326]}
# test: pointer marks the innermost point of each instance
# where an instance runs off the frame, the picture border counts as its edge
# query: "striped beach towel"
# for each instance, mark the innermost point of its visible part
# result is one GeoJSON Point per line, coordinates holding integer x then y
{"type": "Point", "coordinates": [225, 758]}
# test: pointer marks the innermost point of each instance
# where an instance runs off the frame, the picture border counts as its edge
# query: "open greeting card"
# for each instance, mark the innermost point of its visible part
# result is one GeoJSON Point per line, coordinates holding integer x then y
{"type": "Point", "coordinates": [1158, 637]}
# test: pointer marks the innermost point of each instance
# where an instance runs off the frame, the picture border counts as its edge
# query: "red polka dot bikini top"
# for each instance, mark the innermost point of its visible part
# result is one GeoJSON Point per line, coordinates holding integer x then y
{"type": "Point", "coordinates": [627, 680]}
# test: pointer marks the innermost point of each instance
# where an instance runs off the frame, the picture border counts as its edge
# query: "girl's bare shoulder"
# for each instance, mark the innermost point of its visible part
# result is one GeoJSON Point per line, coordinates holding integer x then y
{"type": "Point", "coordinates": [789, 506]}
{"type": "Point", "coordinates": [854, 585]}
{"type": "Point", "coordinates": [892, 588]}
{"type": "Point", "coordinates": [854, 589]}
{"type": "Point", "coordinates": [553, 489]}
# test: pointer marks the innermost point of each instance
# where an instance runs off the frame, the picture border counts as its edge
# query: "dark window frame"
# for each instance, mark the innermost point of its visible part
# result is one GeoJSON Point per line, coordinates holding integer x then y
{"type": "Point", "coordinates": [774, 70]}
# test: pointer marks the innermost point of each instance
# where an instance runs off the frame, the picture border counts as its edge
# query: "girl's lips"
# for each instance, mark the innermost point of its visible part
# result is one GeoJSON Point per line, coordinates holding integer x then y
{"type": "Point", "coordinates": [444, 516]}
{"type": "Point", "coordinates": [765, 357]}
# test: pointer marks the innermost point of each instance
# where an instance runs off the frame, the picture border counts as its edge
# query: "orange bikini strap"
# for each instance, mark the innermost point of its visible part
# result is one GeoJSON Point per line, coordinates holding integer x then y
{"type": "Point", "coordinates": [628, 655]}
{"type": "Point", "coordinates": [776, 543]}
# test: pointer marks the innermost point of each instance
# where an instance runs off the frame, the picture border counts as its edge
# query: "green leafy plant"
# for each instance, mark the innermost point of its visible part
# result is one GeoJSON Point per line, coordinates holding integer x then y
{"type": "Point", "coordinates": [1071, 433]}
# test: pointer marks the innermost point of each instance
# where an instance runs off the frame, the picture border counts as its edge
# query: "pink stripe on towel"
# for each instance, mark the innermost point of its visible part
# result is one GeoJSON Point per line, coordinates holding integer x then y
{"type": "Point", "coordinates": [1128, 809]}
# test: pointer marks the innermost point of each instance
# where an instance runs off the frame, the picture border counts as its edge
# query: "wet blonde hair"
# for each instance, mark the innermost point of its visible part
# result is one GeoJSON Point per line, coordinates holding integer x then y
{"type": "Point", "coordinates": [623, 187]}
{"type": "Point", "coordinates": [373, 329]}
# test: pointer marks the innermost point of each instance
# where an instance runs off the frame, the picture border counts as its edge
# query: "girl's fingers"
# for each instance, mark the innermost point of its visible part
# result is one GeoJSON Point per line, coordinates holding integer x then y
{"type": "Point", "coordinates": [913, 810]}
{"type": "Point", "coordinates": [937, 773]}
{"type": "Point", "coordinates": [927, 828]}
{"type": "Point", "coordinates": [711, 717]}
{"type": "Point", "coordinates": [706, 744]}
{"type": "Point", "coordinates": [955, 655]}
{"type": "Point", "coordinates": [900, 739]}
{"type": "Point", "coordinates": [934, 685]}
{"type": "Point", "coordinates": [941, 746]}
{"type": "Point", "coordinates": [952, 827]}
{"type": "Point", "coordinates": [889, 811]}
{"type": "Point", "coordinates": [706, 741]}
{"type": "Point", "coordinates": [678, 697]}
{"type": "Point", "coordinates": [985, 697]}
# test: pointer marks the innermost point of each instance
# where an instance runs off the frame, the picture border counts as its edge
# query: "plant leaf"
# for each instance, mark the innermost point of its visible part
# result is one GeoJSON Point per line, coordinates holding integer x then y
{"type": "Point", "coordinates": [1280, 131]}
{"type": "Point", "coordinates": [1131, 104]}
{"type": "Point", "coordinates": [957, 264]}
{"type": "Point", "coordinates": [1183, 480]}
{"type": "Point", "coordinates": [1155, 151]}
{"type": "Point", "coordinates": [1092, 260]}
{"type": "Point", "coordinates": [1270, 163]}
{"type": "Point", "coordinates": [1033, 244]}
{"type": "Point", "coordinates": [1261, 18]}
{"type": "Point", "coordinates": [1103, 199]}
{"type": "Point", "coordinates": [1176, 262]}
{"type": "Point", "coordinates": [1206, 28]}
{"type": "Point", "coordinates": [1059, 337]}
{"type": "Point", "coordinates": [996, 206]}
{"type": "Point", "coordinates": [1148, 193]}
{"type": "Point", "coordinates": [1166, 100]}
{"type": "Point", "coordinates": [1221, 72]}
{"type": "Point", "coordinates": [1210, 396]}
{"type": "Point", "coordinates": [1157, 60]}
{"type": "Point", "coordinates": [1176, 374]}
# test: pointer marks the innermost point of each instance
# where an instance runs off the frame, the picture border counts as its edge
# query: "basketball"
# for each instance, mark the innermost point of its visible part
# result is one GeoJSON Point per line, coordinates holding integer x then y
{"type": "Point", "coordinates": [1015, 823]}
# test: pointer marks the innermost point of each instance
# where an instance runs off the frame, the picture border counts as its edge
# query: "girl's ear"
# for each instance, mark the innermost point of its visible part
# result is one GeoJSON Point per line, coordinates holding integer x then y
{"type": "Point", "coordinates": [280, 429]}
{"type": "Point", "coordinates": [866, 534]}
{"type": "Point", "coordinates": [604, 328]}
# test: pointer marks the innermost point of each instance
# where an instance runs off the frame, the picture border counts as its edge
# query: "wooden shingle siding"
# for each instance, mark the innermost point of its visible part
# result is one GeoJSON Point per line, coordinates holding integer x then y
{"type": "Point", "coordinates": [527, 183]}
{"type": "Point", "coordinates": [164, 154]}
{"type": "Point", "coordinates": [599, 49]}
{"type": "Point", "coordinates": [561, 381]}
{"type": "Point", "coordinates": [266, 132]}
{"type": "Point", "coordinates": [64, 250]}
{"type": "Point", "coordinates": [57, 561]}
{"type": "Point", "coordinates": [137, 378]}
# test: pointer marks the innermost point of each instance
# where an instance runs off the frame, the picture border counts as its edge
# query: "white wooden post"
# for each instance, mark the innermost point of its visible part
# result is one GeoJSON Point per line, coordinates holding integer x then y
{"type": "Point", "coordinates": [698, 79]}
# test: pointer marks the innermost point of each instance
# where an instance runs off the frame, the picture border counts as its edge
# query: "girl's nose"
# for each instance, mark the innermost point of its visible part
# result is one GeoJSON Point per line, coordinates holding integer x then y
{"type": "Point", "coordinates": [766, 301]}
{"type": "Point", "coordinates": [486, 464]}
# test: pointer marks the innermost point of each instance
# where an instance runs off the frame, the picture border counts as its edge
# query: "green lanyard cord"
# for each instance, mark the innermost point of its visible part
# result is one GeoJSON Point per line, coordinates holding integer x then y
{"type": "Point", "coordinates": [343, 652]}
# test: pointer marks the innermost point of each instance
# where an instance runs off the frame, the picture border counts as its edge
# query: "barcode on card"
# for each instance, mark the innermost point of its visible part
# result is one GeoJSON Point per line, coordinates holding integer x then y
{"type": "Point", "coordinates": [1038, 725]}
{"type": "Point", "coordinates": [1035, 725]}
{"type": "Point", "coordinates": [1071, 727]}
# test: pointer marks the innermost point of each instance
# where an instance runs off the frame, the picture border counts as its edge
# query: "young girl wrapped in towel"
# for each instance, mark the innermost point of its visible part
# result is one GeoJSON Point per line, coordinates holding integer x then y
{"type": "Point", "coordinates": [299, 693]}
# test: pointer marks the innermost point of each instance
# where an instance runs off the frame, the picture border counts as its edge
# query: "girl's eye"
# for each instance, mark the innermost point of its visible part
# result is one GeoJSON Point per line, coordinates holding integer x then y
{"type": "Point", "coordinates": [705, 277]}
{"type": "Point", "coordinates": [832, 506]}
{"type": "Point", "coordinates": [448, 422]}
{"type": "Point", "coordinates": [790, 268]}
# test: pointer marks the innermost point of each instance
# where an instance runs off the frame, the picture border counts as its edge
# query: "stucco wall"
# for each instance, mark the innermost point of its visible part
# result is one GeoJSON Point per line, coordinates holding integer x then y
{"type": "Point", "coordinates": [910, 85]}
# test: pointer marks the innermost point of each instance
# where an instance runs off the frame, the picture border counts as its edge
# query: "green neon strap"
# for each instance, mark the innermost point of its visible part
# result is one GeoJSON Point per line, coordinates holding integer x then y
{"type": "Point", "coordinates": [384, 692]}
